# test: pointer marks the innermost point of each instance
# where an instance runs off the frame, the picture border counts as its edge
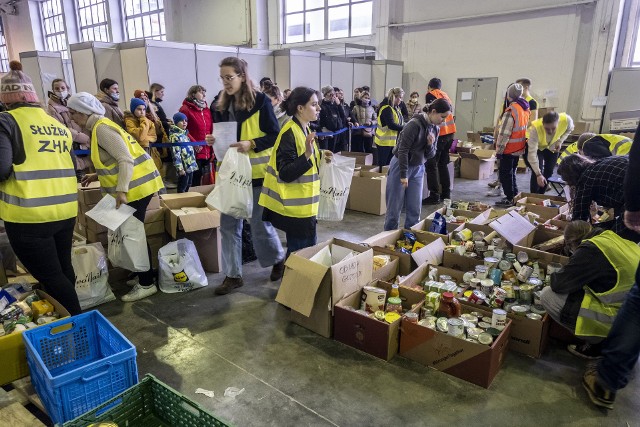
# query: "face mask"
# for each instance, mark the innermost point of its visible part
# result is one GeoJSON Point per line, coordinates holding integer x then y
{"type": "Point", "coordinates": [115, 96]}
{"type": "Point", "coordinates": [366, 102]}
{"type": "Point", "coordinates": [62, 94]}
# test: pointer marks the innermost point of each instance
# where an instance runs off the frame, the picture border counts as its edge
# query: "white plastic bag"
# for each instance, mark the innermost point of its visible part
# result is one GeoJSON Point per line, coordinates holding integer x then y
{"type": "Point", "coordinates": [335, 182]}
{"type": "Point", "coordinates": [180, 267]}
{"type": "Point", "coordinates": [92, 275]}
{"type": "Point", "coordinates": [128, 246]}
{"type": "Point", "coordinates": [233, 193]}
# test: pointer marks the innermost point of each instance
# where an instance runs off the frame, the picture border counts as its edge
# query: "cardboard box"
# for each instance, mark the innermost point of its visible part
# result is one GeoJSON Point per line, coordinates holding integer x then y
{"type": "Point", "coordinates": [560, 200]}
{"type": "Point", "coordinates": [13, 356]}
{"type": "Point", "coordinates": [432, 252]}
{"type": "Point", "coordinates": [513, 227]}
{"type": "Point", "coordinates": [155, 242]}
{"type": "Point", "coordinates": [368, 193]}
{"type": "Point", "coordinates": [418, 276]}
{"type": "Point", "coordinates": [544, 110]}
{"type": "Point", "coordinates": [477, 165]}
{"type": "Point", "coordinates": [188, 212]}
{"type": "Point", "coordinates": [317, 277]}
{"type": "Point", "coordinates": [367, 334]}
{"type": "Point", "coordinates": [475, 363]}
{"type": "Point", "coordinates": [543, 258]}
{"type": "Point", "coordinates": [460, 263]}
{"type": "Point", "coordinates": [529, 337]}
{"type": "Point", "coordinates": [361, 158]}
{"type": "Point", "coordinates": [154, 221]}
{"type": "Point", "coordinates": [580, 127]}
{"type": "Point", "coordinates": [209, 247]}
{"type": "Point", "coordinates": [561, 224]}
{"type": "Point", "coordinates": [89, 196]}
{"type": "Point", "coordinates": [534, 204]}
{"type": "Point", "coordinates": [93, 237]}
{"type": "Point", "coordinates": [154, 203]}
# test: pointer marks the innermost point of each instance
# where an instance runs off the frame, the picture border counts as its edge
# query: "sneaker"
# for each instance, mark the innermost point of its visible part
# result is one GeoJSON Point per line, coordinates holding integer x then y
{"type": "Point", "coordinates": [229, 284]}
{"type": "Point", "coordinates": [496, 192]}
{"type": "Point", "coordinates": [133, 282]}
{"type": "Point", "coordinates": [494, 184]}
{"type": "Point", "coordinates": [585, 351]}
{"type": "Point", "coordinates": [277, 271]}
{"type": "Point", "coordinates": [504, 202]}
{"type": "Point", "coordinates": [170, 185]}
{"type": "Point", "coordinates": [139, 292]}
{"type": "Point", "coordinates": [598, 393]}
{"type": "Point", "coordinates": [433, 199]}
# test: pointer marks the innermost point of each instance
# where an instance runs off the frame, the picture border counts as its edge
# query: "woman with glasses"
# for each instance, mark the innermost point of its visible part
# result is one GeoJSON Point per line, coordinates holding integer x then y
{"type": "Point", "coordinates": [199, 124]}
{"type": "Point", "coordinates": [257, 132]}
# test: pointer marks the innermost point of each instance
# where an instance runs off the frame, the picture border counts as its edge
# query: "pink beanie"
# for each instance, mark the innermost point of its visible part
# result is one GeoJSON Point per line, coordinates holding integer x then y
{"type": "Point", "coordinates": [16, 86]}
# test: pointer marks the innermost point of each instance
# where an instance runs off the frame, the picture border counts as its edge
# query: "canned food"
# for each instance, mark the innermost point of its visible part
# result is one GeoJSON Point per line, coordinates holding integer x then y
{"type": "Point", "coordinates": [441, 324]}
{"type": "Point", "coordinates": [469, 318]}
{"type": "Point", "coordinates": [508, 303]}
{"type": "Point", "coordinates": [534, 316]}
{"type": "Point", "coordinates": [525, 273]}
{"type": "Point", "coordinates": [496, 241]}
{"type": "Point", "coordinates": [477, 297]}
{"type": "Point", "coordinates": [474, 332]}
{"type": "Point", "coordinates": [484, 325]}
{"type": "Point", "coordinates": [475, 283]}
{"type": "Point", "coordinates": [373, 299]}
{"type": "Point", "coordinates": [522, 257]}
{"type": "Point", "coordinates": [431, 324]}
{"type": "Point", "coordinates": [486, 319]}
{"type": "Point", "coordinates": [510, 257]}
{"type": "Point", "coordinates": [487, 286]}
{"type": "Point", "coordinates": [504, 265]}
{"type": "Point", "coordinates": [495, 275]}
{"type": "Point", "coordinates": [526, 294]}
{"type": "Point", "coordinates": [519, 310]}
{"type": "Point", "coordinates": [455, 327]}
{"type": "Point", "coordinates": [485, 338]}
{"type": "Point", "coordinates": [379, 315]}
{"type": "Point", "coordinates": [535, 282]}
{"type": "Point", "coordinates": [477, 314]}
{"type": "Point", "coordinates": [490, 261]}
{"type": "Point", "coordinates": [538, 309]}
{"type": "Point", "coordinates": [426, 312]}
{"type": "Point", "coordinates": [509, 275]}
{"type": "Point", "coordinates": [411, 317]}
{"type": "Point", "coordinates": [481, 271]}
{"type": "Point", "coordinates": [493, 332]}
{"type": "Point", "coordinates": [507, 286]}
{"type": "Point", "coordinates": [391, 317]}
{"type": "Point", "coordinates": [499, 319]}
{"type": "Point", "coordinates": [466, 278]}
{"type": "Point", "coordinates": [464, 235]}
{"type": "Point", "coordinates": [477, 236]}
{"type": "Point", "coordinates": [498, 253]}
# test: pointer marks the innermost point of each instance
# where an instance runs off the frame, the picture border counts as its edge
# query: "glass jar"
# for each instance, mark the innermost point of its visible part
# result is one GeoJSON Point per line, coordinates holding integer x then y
{"type": "Point", "coordinates": [394, 305]}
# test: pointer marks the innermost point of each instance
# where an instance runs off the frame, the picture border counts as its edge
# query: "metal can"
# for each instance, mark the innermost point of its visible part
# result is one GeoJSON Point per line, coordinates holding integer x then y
{"type": "Point", "coordinates": [498, 253]}
{"type": "Point", "coordinates": [496, 241]}
{"type": "Point", "coordinates": [484, 325]}
{"type": "Point", "coordinates": [466, 278]}
{"type": "Point", "coordinates": [535, 282]}
{"type": "Point", "coordinates": [511, 257]}
{"type": "Point", "coordinates": [504, 265]}
{"type": "Point", "coordinates": [474, 332]}
{"type": "Point", "coordinates": [469, 318]}
{"type": "Point", "coordinates": [464, 235]}
{"type": "Point", "coordinates": [426, 312]}
{"type": "Point", "coordinates": [411, 317]}
{"type": "Point", "coordinates": [490, 261]}
{"type": "Point", "coordinates": [487, 286]}
{"type": "Point", "coordinates": [526, 294]}
{"type": "Point", "coordinates": [534, 316]}
{"type": "Point", "coordinates": [373, 299]}
{"type": "Point", "coordinates": [498, 297]}
{"type": "Point", "coordinates": [519, 310]}
{"type": "Point", "coordinates": [475, 283]}
{"type": "Point", "coordinates": [477, 236]}
{"type": "Point", "coordinates": [379, 315]}
{"type": "Point", "coordinates": [455, 327]}
{"type": "Point", "coordinates": [485, 338]}
{"type": "Point", "coordinates": [496, 275]}
{"type": "Point", "coordinates": [508, 288]}
{"type": "Point", "coordinates": [525, 273]}
{"type": "Point", "coordinates": [508, 303]}
{"type": "Point", "coordinates": [522, 257]}
{"type": "Point", "coordinates": [477, 297]}
{"type": "Point", "coordinates": [499, 319]}
{"type": "Point", "coordinates": [441, 324]}
{"type": "Point", "coordinates": [481, 271]}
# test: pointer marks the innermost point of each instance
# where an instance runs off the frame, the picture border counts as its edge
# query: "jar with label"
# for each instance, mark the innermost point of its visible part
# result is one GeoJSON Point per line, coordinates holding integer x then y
{"type": "Point", "coordinates": [449, 306]}
{"type": "Point", "coordinates": [411, 317]}
{"type": "Point", "coordinates": [394, 305]}
{"type": "Point", "coordinates": [481, 271]}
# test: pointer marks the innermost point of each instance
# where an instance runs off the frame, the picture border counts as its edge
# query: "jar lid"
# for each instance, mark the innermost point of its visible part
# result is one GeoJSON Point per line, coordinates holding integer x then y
{"type": "Point", "coordinates": [447, 295]}
{"type": "Point", "coordinates": [394, 300]}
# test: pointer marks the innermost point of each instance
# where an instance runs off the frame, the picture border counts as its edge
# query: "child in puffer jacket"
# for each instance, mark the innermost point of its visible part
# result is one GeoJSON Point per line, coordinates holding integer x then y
{"type": "Point", "coordinates": [184, 158]}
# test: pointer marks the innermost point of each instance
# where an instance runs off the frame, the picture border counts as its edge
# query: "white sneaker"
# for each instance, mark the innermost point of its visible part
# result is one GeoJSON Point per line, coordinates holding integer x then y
{"type": "Point", "coordinates": [496, 192]}
{"type": "Point", "coordinates": [170, 185]}
{"type": "Point", "coordinates": [140, 292]}
{"type": "Point", "coordinates": [133, 282]}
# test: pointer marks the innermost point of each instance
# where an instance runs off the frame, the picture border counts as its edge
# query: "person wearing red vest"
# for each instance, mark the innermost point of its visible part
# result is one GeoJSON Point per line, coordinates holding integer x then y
{"type": "Point", "coordinates": [511, 141]}
{"type": "Point", "coordinates": [438, 179]}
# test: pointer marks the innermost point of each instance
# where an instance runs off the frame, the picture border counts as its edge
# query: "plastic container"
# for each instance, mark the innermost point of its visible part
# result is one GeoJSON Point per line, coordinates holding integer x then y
{"type": "Point", "coordinates": [149, 403]}
{"type": "Point", "coordinates": [78, 363]}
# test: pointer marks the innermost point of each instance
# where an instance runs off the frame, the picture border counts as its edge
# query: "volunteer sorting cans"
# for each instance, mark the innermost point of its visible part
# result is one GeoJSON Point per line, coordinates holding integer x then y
{"type": "Point", "coordinates": [291, 191]}
{"type": "Point", "coordinates": [257, 132]}
{"type": "Point", "coordinates": [416, 144]}
{"type": "Point", "coordinates": [38, 187]}
{"type": "Point", "coordinates": [124, 169]}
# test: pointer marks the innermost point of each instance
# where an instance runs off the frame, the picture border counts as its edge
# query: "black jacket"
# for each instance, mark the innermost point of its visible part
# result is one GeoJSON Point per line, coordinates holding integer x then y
{"type": "Point", "coordinates": [386, 117]}
{"type": "Point", "coordinates": [332, 116]}
{"type": "Point", "coordinates": [162, 115]}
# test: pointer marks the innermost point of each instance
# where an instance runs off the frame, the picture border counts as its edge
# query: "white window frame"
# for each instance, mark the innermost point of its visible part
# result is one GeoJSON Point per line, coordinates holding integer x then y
{"type": "Point", "coordinates": [4, 51]}
{"type": "Point", "coordinates": [161, 18]}
{"type": "Point", "coordinates": [60, 36]}
{"type": "Point", "coordinates": [97, 24]}
{"type": "Point", "coordinates": [326, 9]}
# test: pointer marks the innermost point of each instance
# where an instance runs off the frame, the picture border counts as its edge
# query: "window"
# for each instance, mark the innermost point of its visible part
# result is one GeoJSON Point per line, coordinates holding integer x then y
{"type": "Point", "coordinates": [308, 20]}
{"type": "Point", "coordinates": [634, 60]}
{"type": "Point", "coordinates": [92, 20]}
{"type": "Point", "coordinates": [55, 37]}
{"type": "Point", "coordinates": [144, 19]}
{"type": "Point", "coordinates": [4, 53]}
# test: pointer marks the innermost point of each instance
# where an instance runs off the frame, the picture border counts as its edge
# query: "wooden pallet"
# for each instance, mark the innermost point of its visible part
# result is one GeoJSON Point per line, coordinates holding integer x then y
{"type": "Point", "coordinates": [19, 405]}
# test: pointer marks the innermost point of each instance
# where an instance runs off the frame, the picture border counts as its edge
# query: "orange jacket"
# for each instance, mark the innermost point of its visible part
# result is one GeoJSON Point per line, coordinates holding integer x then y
{"type": "Point", "coordinates": [448, 126]}
{"type": "Point", "coordinates": [518, 139]}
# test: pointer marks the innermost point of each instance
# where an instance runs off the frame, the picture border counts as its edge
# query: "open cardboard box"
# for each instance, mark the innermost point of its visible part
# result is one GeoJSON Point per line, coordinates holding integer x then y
{"type": "Point", "coordinates": [364, 159]}
{"type": "Point", "coordinates": [188, 212]}
{"type": "Point", "coordinates": [368, 192]}
{"type": "Point", "coordinates": [417, 277]}
{"type": "Point", "coordinates": [475, 363]}
{"type": "Point", "coordinates": [477, 165]}
{"type": "Point", "coordinates": [378, 338]}
{"type": "Point", "coordinates": [534, 204]}
{"type": "Point", "coordinates": [560, 200]}
{"type": "Point", "coordinates": [317, 277]}
{"type": "Point", "coordinates": [431, 252]}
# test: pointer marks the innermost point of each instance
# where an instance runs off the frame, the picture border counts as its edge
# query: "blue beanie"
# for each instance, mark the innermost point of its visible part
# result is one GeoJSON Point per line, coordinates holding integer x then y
{"type": "Point", "coordinates": [178, 117]}
{"type": "Point", "coordinates": [135, 103]}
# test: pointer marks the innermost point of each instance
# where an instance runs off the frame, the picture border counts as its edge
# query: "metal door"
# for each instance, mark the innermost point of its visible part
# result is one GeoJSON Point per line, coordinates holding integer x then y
{"type": "Point", "coordinates": [485, 103]}
{"type": "Point", "coordinates": [464, 106]}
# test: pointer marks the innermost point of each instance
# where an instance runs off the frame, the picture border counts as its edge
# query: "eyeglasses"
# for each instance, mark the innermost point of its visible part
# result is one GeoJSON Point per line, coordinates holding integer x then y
{"type": "Point", "coordinates": [228, 79]}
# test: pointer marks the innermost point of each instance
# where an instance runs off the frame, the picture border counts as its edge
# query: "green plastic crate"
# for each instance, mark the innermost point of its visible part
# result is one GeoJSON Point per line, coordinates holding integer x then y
{"type": "Point", "coordinates": [150, 403]}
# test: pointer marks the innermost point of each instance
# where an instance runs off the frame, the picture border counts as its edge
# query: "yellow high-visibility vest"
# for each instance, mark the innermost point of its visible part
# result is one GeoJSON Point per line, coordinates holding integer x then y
{"type": "Point", "coordinates": [384, 136]}
{"type": "Point", "coordinates": [571, 149]}
{"type": "Point", "coordinates": [145, 179]}
{"type": "Point", "coordinates": [563, 124]}
{"type": "Point", "coordinates": [297, 199]}
{"type": "Point", "coordinates": [599, 309]}
{"type": "Point", "coordinates": [43, 188]}
{"type": "Point", "coordinates": [250, 129]}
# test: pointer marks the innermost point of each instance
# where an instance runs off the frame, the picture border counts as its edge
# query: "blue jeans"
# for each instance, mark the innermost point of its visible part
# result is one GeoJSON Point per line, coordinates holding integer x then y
{"type": "Point", "coordinates": [266, 242]}
{"type": "Point", "coordinates": [184, 182]}
{"type": "Point", "coordinates": [622, 347]}
{"type": "Point", "coordinates": [295, 243]}
{"type": "Point", "coordinates": [396, 195]}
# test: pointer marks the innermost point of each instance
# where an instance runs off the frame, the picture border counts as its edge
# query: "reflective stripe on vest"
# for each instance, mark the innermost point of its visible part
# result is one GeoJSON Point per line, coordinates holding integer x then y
{"type": "Point", "coordinates": [618, 145]}
{"type": "Point", "coordinates": [563, 124]}
{"type": "Point", "coordinates": [448, 126]}
{"type": "Point", "coordinates": [571, 149]}
{"type": "Point", "coordinates": [145, 179]}
{"type": "Point", "coordinates": [517, 139]}
{"type": "Point", "coordinates": [299, 198]}
{"type": "Point", "coordinates": [384, 136]}
{"type": "Point", "coordinates": [43, 188]}
{"type": "Point", "coordinates": [598, 310]}
{"type": "Point", "coordinates": [250, 130]}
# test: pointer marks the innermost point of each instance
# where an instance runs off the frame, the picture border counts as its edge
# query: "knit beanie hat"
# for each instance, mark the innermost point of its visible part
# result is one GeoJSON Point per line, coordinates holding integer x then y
{"type": "Point", "coordinates": [178, 117]}
{"type": "Point", "coordinates": [326, 90]}
{"type": "Point", "coordinates": [85, 103]}
{"type": "Point", "coordinates": [16, 86]}
{"type": "Point", "coordinates": [135, 103]}
{"type": "Point", "coordinates": [514, 91]}
{"type": "Point", "coordinates": [139, 92]}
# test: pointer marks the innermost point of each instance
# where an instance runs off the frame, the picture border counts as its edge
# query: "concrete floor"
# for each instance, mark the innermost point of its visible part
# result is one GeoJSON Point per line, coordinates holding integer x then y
{"type": "Point", "coordinates": [292, 376]}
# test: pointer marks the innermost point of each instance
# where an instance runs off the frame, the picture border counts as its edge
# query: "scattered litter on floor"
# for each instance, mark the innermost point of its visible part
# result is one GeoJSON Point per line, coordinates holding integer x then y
{"type": "Point", "coordinates": [232, 391]}
{"type": "Point", "coordinates": [207, 393]}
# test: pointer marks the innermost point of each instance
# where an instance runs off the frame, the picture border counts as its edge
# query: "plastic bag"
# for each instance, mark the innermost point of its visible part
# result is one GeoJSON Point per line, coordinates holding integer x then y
{"type": "Point", "coordinates": [180, 267]}
{"type": "Point", "coordinates": [335, 182]}
{"type": "Point", "coordinates": [92, 275]}
{"type": "Point", "coordinates": [233, 193]}
{"type": "Point", "coordinates": [128, 246]}
{"type": "Point", "coordinates": [439, 224]}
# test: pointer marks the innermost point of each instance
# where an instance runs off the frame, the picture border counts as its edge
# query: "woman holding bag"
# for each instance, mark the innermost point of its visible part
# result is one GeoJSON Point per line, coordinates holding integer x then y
{"type": "Point", "coordinates": [291, 190]}
{"type": "Point", "coordinates": [124, 169]}
{"type": "Point", "coordinates": [257, 132]}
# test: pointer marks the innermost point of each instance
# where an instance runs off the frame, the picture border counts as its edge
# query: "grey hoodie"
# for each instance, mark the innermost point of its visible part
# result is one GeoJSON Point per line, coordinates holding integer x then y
{"type": "Point", "coordinates": [412, 147]}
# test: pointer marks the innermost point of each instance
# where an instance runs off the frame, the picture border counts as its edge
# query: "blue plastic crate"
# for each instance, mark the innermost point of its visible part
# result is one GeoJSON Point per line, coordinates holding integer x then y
{"type": "Point", "coordinates": [78, 363]}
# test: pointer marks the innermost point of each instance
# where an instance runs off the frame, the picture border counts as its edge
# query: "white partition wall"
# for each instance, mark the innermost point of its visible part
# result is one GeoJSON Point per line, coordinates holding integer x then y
{"type": "Point", "coordinates": [207, 70]}
{"type": "Point", "coordinates": [342, 74]}
{"type": "Point", "coordinates": [94, 61]}
{"type": "Point", "coordinates": [173, 65]}
{"type": "Point", "coordinates": [261, 63]}
{"type": "Point", "coordinates": [107, 62]}
{"type": "Point", "coordinates": [325, 70]}
{"type": "Point", "coordinates": [394, 74]}
{"type": "Point", "coordinates": [135, 71]}
{"type": "Point", "coordinates": [282, 69]}
{"type": "Point", "coordinates": [297, 68]}
{"type": "Point", "coordinates": [384, 76]}
{"type": "Point", "coordinates": [43, 68]}
{"type": "Point", "coordinates": [361, 74]}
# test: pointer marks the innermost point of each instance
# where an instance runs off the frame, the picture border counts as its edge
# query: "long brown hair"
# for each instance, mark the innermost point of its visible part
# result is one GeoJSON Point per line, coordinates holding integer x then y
{"type": "Point", "coordinates": [246, 98]}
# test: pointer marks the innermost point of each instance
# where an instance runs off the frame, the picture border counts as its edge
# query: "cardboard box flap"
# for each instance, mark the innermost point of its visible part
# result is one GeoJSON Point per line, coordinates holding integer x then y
{"type": "Point", "coordinates": [479, 154]}
{"type": "Point", "coordinates": [199, 221]}
{"type": "Point", "coordinates": [178, 200]}
{"type": "Point", "coordinates": [381, 239]}
{"type": "Point", "coordinates": [512, 227]}
{"type": "Point", "coordinates": [304, 279]}
{"type": "Point", "coordinates": [431, 253]}
{"type": "Point", "coordinates": [349, 273]}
